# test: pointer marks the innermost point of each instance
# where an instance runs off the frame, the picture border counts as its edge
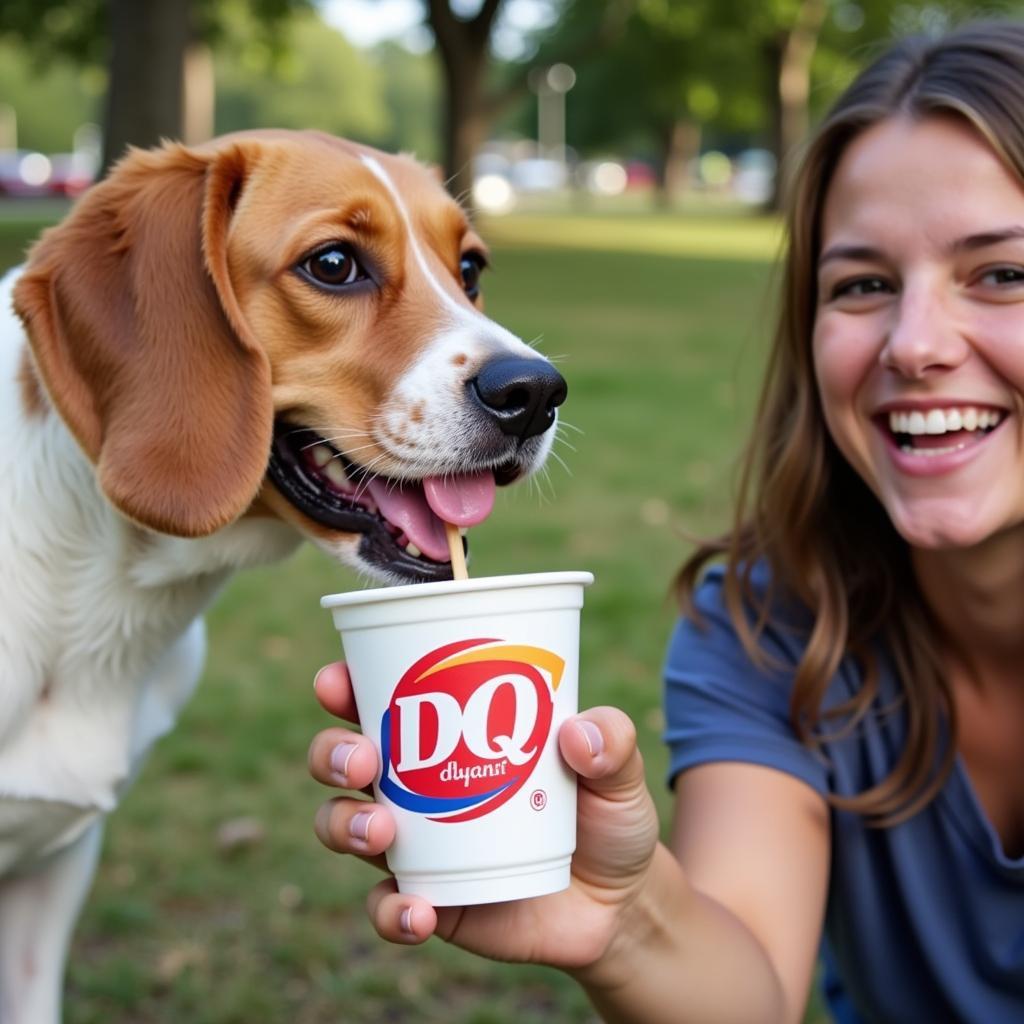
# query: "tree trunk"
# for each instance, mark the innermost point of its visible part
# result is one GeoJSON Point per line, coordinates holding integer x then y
{"type": "Point", "coordinates": [789, 62]}
{"type": "Point", "coordinates": [465, 126]}
{"type": "Point", "coordinates": [462, 45]}
{"type": "Point", "coordinates": [469, 110]}
{"type": "Point", "coordinates": [680, 146]}
{"type": "Point", "coordinates": [145, 100]}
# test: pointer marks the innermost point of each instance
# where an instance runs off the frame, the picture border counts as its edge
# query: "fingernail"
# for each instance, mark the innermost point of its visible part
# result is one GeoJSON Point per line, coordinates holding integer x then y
{"type": "Point", "coordinates": [340, 757]}
{"type": "Point", "coordinates": [592, 736]}
{"type": "Point", "coordinates": [405, 922]}
{"type": "Point", "coordinates": [316, 678]}
{"type": "Point", "coordinates": [359, 826]}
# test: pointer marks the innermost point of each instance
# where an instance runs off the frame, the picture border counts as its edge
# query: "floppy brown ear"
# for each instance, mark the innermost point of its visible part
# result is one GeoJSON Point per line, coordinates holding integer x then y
{"type": "Point", "coordinates": [140, 342]}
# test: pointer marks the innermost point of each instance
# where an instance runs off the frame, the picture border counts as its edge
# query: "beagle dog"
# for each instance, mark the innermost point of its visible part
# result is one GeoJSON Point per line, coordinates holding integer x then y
{"type": "Point", "coordinates": [220, 351]}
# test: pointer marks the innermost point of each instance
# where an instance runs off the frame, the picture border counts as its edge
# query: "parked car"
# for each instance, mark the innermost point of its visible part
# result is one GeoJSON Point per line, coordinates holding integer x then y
{"type": "Point", "coordinates": [29, 174]}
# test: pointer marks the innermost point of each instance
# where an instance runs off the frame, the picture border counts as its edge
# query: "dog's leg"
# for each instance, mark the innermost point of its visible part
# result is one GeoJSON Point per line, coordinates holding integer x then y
{"type": "Point", "coordinates": [38, 910]}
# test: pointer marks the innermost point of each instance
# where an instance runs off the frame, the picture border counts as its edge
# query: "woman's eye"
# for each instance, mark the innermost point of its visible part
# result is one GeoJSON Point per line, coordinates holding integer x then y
{"type": "Point", "coordinates": [333, 266]}
{"type": "Point", "coordinates": [861, 286]}
{"type": "Point", "coordinates": [1003, 275]}
{"type": "Point", "coordinates": [470, 267]}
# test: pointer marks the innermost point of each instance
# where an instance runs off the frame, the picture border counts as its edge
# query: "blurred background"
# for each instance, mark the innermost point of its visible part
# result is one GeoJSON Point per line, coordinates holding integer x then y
{"type": "Point", "coordinates": [625, 161]}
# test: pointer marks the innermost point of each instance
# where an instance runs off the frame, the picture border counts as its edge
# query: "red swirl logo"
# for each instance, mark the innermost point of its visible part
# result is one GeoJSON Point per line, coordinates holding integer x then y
{"type": "Point", "coordinates": [466, 726]}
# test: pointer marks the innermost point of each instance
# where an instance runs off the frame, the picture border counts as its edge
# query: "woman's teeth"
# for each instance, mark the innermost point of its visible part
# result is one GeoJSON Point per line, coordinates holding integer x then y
{"type": "Point", "coordinates": [918, 425]}
{"type": "Point", "coordinates": [943, 421]}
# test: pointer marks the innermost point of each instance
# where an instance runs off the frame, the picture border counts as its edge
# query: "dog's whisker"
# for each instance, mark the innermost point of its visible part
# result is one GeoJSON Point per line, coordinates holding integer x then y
{"type": "Point", "coordinates": [570, 426]}
{"type": "Point", "coordinates": [352, 451]}
{"type": "Point", "coordinates": [542, 478]}
{"type": "Point", "coordinates": [533, 487]}
{"type": "Point", "coordinates": [561, 436]}
{"type": "Point", "coordinates": [558, 458]}
{"type": "Point", "coordinates": [329, 440]}
{"type": "Point", "coordinates": [368, 476]}
{"type": "Point", "coordinates": [335, 440]}
{"type": "Point", "coordinates": [336, 428]}
{"type": "Point", "coordinates": [333, 436]}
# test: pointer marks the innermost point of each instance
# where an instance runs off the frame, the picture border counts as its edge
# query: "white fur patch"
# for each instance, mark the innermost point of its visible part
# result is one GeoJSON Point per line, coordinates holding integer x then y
{"type": "Point", "coordinates": [100, 641]}
{"type": "Point", "coordinates": [441, 440]}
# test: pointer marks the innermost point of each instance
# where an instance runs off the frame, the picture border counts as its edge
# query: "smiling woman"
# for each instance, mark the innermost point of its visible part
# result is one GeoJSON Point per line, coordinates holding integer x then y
{"type": "Point", "coordinates": [844, 700]}
{"type": "Point", "coordinates": [917, 341]}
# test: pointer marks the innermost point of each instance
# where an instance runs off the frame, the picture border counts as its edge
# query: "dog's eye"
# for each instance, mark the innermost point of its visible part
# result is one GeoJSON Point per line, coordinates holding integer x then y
{"type": "Point", "coordinates": [470, 267]}
{"type": "Point", "coordinates": [333, 265]}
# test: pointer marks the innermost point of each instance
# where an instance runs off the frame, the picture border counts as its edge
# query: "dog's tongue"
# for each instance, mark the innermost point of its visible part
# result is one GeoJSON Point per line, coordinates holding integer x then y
{"type": "Point", "coordinates": [464, 500]}
{"type": "Point", "coordinates": [422, 510]}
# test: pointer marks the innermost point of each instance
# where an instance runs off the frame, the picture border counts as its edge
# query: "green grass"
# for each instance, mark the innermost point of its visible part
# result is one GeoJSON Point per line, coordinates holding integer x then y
{"type": "Point", "coordinates": [659, 326]}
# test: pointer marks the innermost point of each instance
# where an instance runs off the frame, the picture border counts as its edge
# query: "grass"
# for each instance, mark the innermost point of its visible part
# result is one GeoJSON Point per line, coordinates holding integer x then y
{"type": "Point", "coordinates": [658, 325]}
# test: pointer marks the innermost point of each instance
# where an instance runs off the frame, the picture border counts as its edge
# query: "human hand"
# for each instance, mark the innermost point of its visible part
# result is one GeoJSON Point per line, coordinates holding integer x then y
{"type": "Point", "coordinates": [617, 832]}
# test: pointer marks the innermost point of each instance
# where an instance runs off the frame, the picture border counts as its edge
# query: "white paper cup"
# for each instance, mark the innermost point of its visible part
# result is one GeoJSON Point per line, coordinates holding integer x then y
{"type": "Point", "coordinates": [462, 685]}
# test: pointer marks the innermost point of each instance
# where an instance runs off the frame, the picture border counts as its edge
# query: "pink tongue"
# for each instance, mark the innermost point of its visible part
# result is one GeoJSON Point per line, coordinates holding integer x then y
{"type": "Point", "coordinates": [463, 500]}
{"type": "Point", "coordinates": [947, 439]}
{"type": "Point", "coordinates": [419, 510]}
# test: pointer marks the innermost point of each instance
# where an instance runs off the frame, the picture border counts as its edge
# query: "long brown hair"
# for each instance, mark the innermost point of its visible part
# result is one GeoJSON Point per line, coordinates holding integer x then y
{"type": "Point", "coordinates": [800, 507]}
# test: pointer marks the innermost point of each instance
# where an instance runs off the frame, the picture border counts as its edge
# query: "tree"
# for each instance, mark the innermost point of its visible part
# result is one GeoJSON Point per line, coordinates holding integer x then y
{"type": "Point", "coordinates": [147, 85]}
{"type": "Point", "coordinates": [320, 81]}
{"type": "Point", "coordinates": [463, 47]}
{"type": "Point", "coordinates": [159, 74]}
{"type": "Point", "coordinates": [654, 91]}
{"type": "Point", "coordinates": [473, 95]}
{"type": "Point", "coordinates": [748, 72]}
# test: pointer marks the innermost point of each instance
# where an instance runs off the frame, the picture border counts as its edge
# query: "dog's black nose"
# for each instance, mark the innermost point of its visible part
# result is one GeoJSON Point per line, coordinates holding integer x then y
{"type": "Point", "coordinates": [520, 395]}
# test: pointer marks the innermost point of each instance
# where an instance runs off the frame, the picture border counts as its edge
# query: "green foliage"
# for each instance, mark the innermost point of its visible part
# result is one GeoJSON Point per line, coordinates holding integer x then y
{"type": "Point", "coordinates": [412, 94]}
{"type": "Point", "coordinates": [74, 29]}
{"type": "Point", "coordinates": [306, 76]}
{"type": "Point", "coordinates": [673, 60]}
{"type": "Point", "coordinates": [50, 103]}
{"type": "Point", "coordinates": [704, 60]}
{"type": "Point", "coordinates": [316, 80]}
{"type": "Point", "coordinates": [77, 29]}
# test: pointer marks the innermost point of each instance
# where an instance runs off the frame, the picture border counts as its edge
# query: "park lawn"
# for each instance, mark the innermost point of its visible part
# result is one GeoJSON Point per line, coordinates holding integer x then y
{"type": "Point", "coordinates": [661, 341]}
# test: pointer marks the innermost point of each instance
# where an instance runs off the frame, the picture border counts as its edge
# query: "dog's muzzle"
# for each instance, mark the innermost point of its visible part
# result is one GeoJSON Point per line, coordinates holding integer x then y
{"type": "Point", "coordinates": [519, 395]}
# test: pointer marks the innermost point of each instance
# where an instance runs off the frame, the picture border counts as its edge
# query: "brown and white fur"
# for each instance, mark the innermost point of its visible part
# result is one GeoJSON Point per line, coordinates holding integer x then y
{"type": "Point", "coordinates": [164, 333]}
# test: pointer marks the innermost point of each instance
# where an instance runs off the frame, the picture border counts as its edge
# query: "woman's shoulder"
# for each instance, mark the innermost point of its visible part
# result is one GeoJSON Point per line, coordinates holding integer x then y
{"type": "Point", "coordinates": [729, 677]}
{"type": "Point", "coordinates": [746, 634]}
{"type": "Point", "coordinates": [748, 601]}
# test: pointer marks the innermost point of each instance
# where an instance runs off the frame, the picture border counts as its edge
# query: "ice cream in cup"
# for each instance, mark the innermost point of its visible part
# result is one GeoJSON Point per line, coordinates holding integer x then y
{"type": "Point", "coordinates": [462, 685]}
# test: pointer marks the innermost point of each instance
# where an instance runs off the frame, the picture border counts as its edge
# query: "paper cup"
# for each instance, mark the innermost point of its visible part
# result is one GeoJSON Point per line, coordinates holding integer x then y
{"type": "Point", "coordinates": [463, 685]}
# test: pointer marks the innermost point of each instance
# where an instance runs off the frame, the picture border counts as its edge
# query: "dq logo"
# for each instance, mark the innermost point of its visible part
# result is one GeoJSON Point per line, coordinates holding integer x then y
{"type": "Point", "coordinates": [466, 727]}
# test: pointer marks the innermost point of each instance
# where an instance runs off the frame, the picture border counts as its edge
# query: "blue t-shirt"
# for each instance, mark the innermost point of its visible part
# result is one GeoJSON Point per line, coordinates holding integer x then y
{"type": "Point", "coordinates": [925, 920]}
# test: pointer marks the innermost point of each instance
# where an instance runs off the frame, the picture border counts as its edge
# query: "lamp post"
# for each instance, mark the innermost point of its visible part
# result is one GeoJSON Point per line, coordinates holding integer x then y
{"type": "Point", "coordinates": [551, 84]}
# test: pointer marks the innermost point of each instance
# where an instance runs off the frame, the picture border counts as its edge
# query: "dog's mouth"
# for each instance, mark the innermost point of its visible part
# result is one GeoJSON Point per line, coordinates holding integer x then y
{"type": "Point", "coordinates": [402, 522]}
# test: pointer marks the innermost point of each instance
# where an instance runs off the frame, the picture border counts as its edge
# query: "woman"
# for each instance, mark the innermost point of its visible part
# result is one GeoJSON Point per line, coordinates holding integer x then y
{"type": "Point", "coordinates": [845, 692]}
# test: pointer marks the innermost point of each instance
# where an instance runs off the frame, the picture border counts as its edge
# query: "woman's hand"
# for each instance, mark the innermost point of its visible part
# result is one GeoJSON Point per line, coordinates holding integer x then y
{"type": "Point", "coordinates": [617, 832]}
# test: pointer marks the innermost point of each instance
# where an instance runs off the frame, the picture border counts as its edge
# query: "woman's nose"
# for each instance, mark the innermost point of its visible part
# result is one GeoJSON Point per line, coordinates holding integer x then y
{"type": "Point", "coordinates": [923, 337]}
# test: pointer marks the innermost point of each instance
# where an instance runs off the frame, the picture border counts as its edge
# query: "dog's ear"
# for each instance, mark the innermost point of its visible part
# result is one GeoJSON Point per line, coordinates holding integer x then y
{"type": "Point", "coordinates": [141, 344]}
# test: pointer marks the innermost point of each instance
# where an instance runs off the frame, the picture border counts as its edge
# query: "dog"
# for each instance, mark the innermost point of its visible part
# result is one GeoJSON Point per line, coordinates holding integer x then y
{"type": "Point", "coordinates": [221, 350]}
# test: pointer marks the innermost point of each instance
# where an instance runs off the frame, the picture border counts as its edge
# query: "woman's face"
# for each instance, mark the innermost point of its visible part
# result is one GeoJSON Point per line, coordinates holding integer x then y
{"type": "Point", "coordinates": [919, 330]}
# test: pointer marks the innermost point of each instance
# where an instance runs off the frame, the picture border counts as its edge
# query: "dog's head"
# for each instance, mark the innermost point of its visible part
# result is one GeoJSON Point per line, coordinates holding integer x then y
{"type": "Point", "coordinates": [290, 320]}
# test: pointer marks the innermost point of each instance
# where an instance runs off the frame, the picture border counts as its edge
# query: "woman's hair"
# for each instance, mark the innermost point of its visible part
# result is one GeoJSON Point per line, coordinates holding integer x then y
{"type": "Point", "coordinates": [801, 508]}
